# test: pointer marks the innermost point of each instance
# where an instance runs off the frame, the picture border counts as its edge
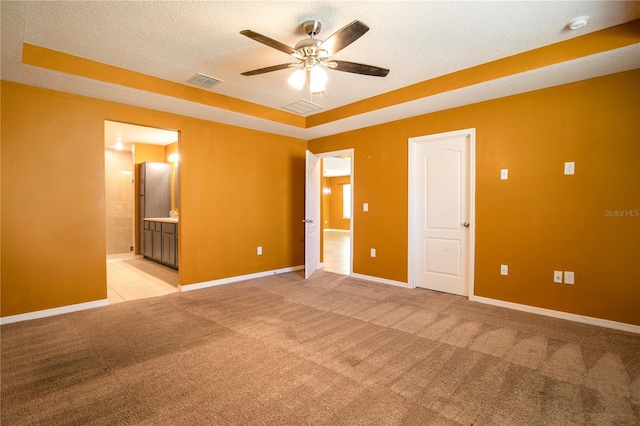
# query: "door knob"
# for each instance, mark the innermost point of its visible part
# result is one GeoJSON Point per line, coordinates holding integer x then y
{"type": "Point", "coordinates": [466, 224]}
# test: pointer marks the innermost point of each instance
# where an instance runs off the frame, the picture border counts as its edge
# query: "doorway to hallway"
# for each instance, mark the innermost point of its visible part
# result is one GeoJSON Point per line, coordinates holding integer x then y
{"type": "Point", "coordinates": [337, 210]}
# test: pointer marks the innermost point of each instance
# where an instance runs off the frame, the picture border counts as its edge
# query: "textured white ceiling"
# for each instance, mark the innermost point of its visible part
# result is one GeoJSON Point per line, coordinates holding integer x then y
{"type": "Point", "coordinates": [416, 40]}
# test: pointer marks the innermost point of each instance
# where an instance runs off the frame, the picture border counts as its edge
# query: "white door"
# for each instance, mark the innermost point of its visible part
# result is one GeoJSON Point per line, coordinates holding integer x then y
{"type": "Point", "coordinates": [441, 221]}
{"type": "Point", "coordinates": [312, 216]}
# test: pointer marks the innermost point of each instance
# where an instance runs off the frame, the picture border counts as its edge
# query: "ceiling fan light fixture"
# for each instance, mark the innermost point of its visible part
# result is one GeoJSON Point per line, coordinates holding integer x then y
{"type": "Point", "coordinates": [317, 80]}
{"type": "Point", "coordinates": [298, 78]}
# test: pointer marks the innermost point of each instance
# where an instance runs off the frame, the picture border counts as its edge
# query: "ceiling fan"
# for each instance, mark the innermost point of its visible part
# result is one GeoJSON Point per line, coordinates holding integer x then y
{"type": "Point", "coordinates": [313, 55]}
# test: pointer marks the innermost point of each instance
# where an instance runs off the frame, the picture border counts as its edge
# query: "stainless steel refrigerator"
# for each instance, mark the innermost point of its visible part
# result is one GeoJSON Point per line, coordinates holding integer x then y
{"type": "Point", "coordinates": [155, 193]}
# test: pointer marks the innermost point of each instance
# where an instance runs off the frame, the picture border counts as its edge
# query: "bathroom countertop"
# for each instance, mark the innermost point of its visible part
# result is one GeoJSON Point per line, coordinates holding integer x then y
{"type": "Point", "coordinates": [161, 219]}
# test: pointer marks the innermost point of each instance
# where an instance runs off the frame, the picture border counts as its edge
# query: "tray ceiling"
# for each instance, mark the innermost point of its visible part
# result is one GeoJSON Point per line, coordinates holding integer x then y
{"type": "Point", "coordinates": [418, 41]}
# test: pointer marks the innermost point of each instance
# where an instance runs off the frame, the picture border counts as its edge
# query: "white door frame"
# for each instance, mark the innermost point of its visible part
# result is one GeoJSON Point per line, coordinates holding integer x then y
{"type": "Point", "coordinates": [342, 152]}
{"type": "Point", "coordinates": [413, 185]}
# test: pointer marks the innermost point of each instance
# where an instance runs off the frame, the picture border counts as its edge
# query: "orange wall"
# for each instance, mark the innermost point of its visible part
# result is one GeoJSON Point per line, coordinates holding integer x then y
{"type": "Point", "coordinates": [53, 217]}
{"type": "Point", "coordinates": [240, 189]}
{"type": "Point", "coordinates": [539, 220]}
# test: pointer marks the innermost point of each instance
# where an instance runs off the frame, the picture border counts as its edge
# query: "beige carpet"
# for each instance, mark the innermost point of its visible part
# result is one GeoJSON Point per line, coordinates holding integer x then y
{"type": "Point", "coordinates": [332, 350]}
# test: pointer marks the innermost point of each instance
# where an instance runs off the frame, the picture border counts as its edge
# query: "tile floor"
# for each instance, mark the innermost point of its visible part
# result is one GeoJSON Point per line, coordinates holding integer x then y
{"type": "Point", "coordinates": [337, 251]}
{"type": "Point", "coordinates": [138, 278]}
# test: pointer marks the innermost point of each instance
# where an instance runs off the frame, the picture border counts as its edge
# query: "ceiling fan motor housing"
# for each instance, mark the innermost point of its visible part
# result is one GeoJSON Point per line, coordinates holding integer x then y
{"type": "Point", "coordinates": [312, 27]}
{"type": "Point", "coordinates": [310, 47]}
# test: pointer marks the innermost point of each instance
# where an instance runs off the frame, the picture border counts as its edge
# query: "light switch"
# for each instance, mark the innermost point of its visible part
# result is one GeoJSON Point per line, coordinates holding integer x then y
{"type": "Point", "coordinates": [504, 174]}
{"type": "Point", "coordinates": [373, 252]}
{"type": "Point", "coordinates": [504, 269]}
{"type": "Point", "coordinates": [259, 251]}
{"type": "Point", "coordinates": [569, 168]}
{"type": "Point", "coordinates": [365, 207]}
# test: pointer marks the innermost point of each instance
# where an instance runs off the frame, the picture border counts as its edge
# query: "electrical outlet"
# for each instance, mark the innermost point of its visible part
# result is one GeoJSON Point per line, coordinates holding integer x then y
{"type": "Point", "coordinates": [504, 269]}
{"type": "Point", "coordinates": [569, 168]}
{"type": "Point", "coordinates": [557, 277]}
{"type": "Point", "coordinates": [373, 252]}
{"type": "Point", "coordinates": [259, 251]}
{"type": "Point", "coordinates": [568, 277]}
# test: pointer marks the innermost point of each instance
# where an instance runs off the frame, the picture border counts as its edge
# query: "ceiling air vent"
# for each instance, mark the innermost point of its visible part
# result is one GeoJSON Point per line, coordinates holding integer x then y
{"type": "Point", "coordinates": [302, 107]}
{"type": "Point", "coordinates": [203, 81]}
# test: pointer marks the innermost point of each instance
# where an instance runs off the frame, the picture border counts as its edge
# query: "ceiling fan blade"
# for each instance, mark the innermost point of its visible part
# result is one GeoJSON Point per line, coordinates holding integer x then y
{"type": "Point", "coordinates": [271, 43]}
{"type": "Point", "coordinates": [344, 37]}
{"type": "Point", "coordinates": [358, 68]}
{"type": "Point", "coordinates": [269, 69]}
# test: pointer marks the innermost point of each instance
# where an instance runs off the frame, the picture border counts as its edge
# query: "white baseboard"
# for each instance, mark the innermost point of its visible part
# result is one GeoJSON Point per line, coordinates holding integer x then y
{"type": "Point", "coordinates": [213, 283]}
{"type": "Point", "coordinates": [380, 280]}
{"type": "Point", "coordinates": [54, 311]}
{"type": "Point", "coordinates": [559, 314]}
{"type": "Point", "coordinates": [337, 230]}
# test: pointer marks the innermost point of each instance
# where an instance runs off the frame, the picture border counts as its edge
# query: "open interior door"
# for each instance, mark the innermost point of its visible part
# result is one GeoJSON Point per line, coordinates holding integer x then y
{"type": "Point", "coordinates": [312, 216]}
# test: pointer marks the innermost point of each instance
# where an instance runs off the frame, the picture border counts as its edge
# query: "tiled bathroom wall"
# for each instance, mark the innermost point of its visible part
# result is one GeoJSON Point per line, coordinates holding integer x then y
{"type": "Point", "coordinates": [119, 198]}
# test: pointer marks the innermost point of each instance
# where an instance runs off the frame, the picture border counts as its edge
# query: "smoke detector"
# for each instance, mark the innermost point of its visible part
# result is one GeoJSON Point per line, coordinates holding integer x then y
{"type": "Point", "coordinates": [579, 22]}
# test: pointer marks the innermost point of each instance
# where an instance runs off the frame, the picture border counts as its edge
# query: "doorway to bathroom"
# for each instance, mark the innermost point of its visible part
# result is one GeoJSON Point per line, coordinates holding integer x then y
{"type": "Point", "coordinates": [129, 275]}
